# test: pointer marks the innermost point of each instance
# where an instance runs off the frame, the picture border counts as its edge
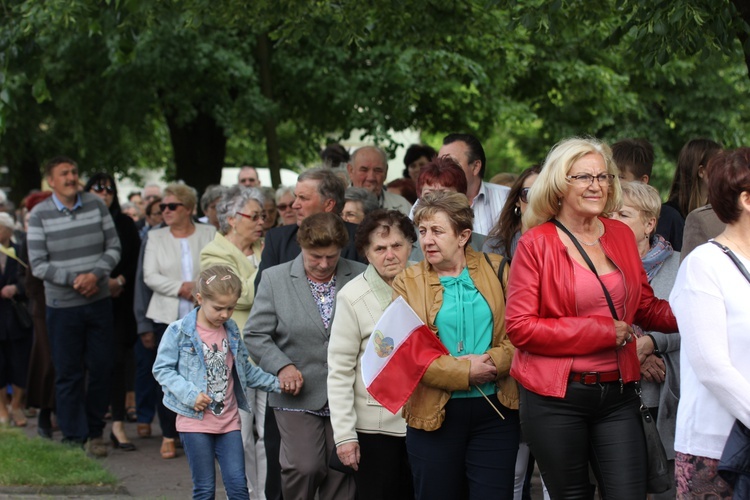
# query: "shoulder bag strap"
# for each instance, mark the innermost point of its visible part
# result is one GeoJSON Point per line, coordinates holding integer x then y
{"type": "Point", "coordinates": [500, 271]}
{"type": "Point", "coordinates": [591, 266]}
{"type": "Point", "coordinates": [734, 258]}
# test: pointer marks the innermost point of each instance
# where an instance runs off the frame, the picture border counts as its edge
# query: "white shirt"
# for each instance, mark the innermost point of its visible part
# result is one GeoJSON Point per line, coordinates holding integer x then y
{"type": "Point", "coordinates": [710, 301]}
{"type": "Point", "coordinates": [487, 205]}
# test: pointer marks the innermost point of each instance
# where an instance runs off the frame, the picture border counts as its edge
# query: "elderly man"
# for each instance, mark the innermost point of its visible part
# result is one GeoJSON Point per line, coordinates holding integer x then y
{"type": "Point", "coordinates": [248, 177]}
{"type": "Point", "coordinates": [486, 199]}
{"type": "Point", "coordinates": [368, 169]}
{"type": "Point", "coordinates": [73, 246]}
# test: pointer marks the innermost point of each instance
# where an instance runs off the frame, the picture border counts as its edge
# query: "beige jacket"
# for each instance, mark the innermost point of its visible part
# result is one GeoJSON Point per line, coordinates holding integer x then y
{"type": "Point", "coordinates": [358, 309]}
{"type": "Point", "coordinates": [162, 269]}
{"type": "Point", "coordinates": [420, 286]}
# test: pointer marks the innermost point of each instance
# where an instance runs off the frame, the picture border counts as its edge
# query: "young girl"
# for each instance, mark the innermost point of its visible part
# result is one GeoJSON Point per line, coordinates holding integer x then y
{"type": "Point", "coordinates": [203, 366]}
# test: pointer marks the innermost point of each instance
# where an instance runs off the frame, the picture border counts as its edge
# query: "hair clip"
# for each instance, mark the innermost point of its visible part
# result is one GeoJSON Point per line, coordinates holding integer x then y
{"type": "Point", "coordinates": [209, 280]}
{"type": "Point", "coordinates": [227, 277]}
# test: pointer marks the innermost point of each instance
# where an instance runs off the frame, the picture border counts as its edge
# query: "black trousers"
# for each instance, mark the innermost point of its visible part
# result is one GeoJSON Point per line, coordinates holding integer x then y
{"type": "Point", "coordinates": [593, 424]}
{"type": "Point", "coordinates": [384, 471]}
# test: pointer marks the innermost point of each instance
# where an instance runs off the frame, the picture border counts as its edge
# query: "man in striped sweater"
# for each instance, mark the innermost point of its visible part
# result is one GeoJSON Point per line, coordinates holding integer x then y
{"type": "Point", "coordinates": [73, 246]}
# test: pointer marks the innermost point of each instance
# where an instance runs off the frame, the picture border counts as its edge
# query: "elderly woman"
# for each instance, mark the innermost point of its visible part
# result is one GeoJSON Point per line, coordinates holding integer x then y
{"type": "Point", "coordinates": [710, 301]}
{"type": "Point", "coordinates": [170, 265]}
{"type": "Point", "coordinates": [368, 437]}
{"type": "Point", "coordinates": [121, 288]}
{"type": "Point", "coordinates": [269, 208]}
{"type": "Point", "coordinates": [659, 353]}
{"type": "Point", "coordinates": [462, 419]}
{"type": "Point", "coordinates": [15, 337]}
{"type": "Point", "coordinates": [284, 202]}
{"type": "Point", "coordinates": [238, 245]}
{"type": "Point", "coordinates": [209, 201]}
{"type": "Point", "coordinates": [576, 287]}
{"type": "Point", "coordinates": [287, 334]}
{"type": "Point", "coordinates": [503, 238]}
{"type": "Point", "coordinates": [358, 202]}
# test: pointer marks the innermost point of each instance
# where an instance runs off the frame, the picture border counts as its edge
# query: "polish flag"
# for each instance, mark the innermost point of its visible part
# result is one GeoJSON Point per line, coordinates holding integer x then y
{"type": "Point", "coordinates": [398, 353]}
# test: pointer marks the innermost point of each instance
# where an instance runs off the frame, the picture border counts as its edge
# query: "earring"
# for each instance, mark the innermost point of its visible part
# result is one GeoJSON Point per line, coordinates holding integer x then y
{"type": "Point", "coordinates": [517, 211]}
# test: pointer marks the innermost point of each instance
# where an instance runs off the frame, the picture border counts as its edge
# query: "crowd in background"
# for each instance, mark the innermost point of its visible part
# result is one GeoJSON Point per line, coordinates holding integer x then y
{"type": "Point", "coordinates": [557, 293]}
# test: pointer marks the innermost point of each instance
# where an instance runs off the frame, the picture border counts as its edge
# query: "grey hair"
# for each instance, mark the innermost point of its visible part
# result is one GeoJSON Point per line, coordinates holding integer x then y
{"type": "Point", "coordinates": [268, 194]}
{"type": "Point", "coordinates": [330, 185]}
{"type": "Point", "coordinates": [211, 193]}
{"type": "Point", "coordinates": [232, 201]}
{"type": "Point", "coordinates": [362, 195]}
{"type": "Point", "coordinates": [282, 191]}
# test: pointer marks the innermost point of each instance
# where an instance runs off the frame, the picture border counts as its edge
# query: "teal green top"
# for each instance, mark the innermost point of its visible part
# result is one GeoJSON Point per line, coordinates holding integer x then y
{"type": "Point", "coordinates": [464, 324]}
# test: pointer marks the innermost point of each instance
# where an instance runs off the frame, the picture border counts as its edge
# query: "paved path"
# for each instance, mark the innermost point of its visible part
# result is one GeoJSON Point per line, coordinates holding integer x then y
{"type": "Point", "coordinates": [143, 474]}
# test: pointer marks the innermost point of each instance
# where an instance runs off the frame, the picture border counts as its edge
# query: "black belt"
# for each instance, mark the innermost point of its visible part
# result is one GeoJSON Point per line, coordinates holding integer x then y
{"type": "Point", "coordinates": [591, 378]}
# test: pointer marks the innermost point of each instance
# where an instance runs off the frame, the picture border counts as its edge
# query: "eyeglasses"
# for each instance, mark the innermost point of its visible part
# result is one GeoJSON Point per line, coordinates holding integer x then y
{"type": "Point", "coordinates": [154, 214]}
{"type": "Point", "coordinates": [171, 206]}
{"type": "Point", "coordinates": [253, 217]}
{"type": "Point", "coordinates": [588, 179]}
{"type": "Point", "coordinates": [283, 206]}
{"type": "Point", "coordinates": [524, 194]}
{"type": "Point", "coordinates": [99, 188]}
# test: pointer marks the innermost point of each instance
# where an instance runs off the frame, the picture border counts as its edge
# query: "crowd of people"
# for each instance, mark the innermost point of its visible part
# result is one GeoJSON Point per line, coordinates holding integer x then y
{"type": "Point", "coordinates": [570, 303]}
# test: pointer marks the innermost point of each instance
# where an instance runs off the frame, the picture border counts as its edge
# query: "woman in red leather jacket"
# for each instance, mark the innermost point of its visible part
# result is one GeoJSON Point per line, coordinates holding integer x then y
{"type": "Point", "coordinates": [575, 357]}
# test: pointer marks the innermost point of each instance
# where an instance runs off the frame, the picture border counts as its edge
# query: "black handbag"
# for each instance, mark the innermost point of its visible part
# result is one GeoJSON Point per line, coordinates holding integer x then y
{"type": "Point", "coordinates": [659, 478]}
{"type": "Point", "coordinates": [22, 314]}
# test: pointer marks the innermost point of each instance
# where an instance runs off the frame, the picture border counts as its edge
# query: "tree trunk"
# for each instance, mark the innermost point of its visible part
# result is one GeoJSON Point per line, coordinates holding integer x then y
{"type": "Point", "coordinates": [269, 122]}
{"type": "Point", "coordinates": [743, 8]}
{"type": "Point", "coordinates": [199, 150]}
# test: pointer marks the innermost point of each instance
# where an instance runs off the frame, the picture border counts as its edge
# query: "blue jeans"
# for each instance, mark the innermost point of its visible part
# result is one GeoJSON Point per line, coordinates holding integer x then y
{"type": "Point", "coordinates": [474, 449]}
{"type": "Point", "coordinates": [81, 339]}
{"type": "Point", "coordinates": [146, 391]}
{"type": "Point", "coordinates": [201, 450]}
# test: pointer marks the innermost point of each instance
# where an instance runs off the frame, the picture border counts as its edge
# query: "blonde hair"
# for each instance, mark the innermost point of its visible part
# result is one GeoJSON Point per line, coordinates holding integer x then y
{"type": "Point", "coordinates": [182, 192]}
{"type": "Point", "coordinates": [217, 280]}
{"type": "Point", "coordinates": [552, 183]}
{"type": "Point", "coordinates": [643, 197]}
{"type": "Point", "coordinates": [454, 205]}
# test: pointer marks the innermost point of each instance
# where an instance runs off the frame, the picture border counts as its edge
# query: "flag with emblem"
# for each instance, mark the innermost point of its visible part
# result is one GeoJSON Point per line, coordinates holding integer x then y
{"type": "Point", "coordinates": [397, 355]}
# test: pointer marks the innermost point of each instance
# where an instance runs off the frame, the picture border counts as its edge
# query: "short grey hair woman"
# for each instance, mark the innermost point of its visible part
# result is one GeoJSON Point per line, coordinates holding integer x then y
{"type": "Point", "coordinates": [358, 202]}
{"type": "Point", "coordinates": [284, 202]}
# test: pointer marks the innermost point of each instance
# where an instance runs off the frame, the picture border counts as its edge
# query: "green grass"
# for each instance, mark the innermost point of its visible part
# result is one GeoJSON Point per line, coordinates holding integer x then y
{"type": "Point", "coordinates": [40, 462]}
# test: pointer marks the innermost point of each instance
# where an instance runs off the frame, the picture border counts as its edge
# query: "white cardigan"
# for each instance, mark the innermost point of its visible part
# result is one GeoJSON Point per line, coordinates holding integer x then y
{"type": "Point", "coordinates": [352, 408]}
{"type": "Point", "coordinates": [162, 269]}
{"type": "Point", "coordinates": [710, 300]}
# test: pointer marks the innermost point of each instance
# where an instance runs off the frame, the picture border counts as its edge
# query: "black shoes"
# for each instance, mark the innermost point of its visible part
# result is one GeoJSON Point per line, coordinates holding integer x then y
{"type": "Point", "coordinates": [117, 444]}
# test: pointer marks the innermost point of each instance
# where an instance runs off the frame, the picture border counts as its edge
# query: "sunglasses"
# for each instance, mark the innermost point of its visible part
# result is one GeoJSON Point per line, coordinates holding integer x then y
{"type": "Point", "coordinates": [283, 206]}
{"type": "Point", "coordinates": [253, 217]}
{"type": "Point", "coordinates": [99, 188]}
{"type": "Point", "coordinates": [524, 194]}
{"type": "Point", "coordinates": [171, 206]}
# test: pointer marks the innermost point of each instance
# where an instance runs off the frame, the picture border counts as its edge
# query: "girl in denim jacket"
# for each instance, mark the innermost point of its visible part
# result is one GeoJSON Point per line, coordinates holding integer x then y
{"type": "Point", "coordinates": [204, 368]}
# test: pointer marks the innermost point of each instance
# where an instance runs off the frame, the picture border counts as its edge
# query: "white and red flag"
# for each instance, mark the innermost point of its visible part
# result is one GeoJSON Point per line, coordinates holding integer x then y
{"type": "Point", "coordinates": [398, 353]}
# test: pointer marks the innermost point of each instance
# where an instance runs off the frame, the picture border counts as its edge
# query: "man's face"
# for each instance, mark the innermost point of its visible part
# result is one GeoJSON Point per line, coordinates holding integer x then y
{"type": "Point", "coordinates": [308, 202]}
{"type": "Point", "coordinates": [367, 171]}
{"type": "Point", "coordinates": [151, 193]}
{"type": "Point", "coordinates": [248, 177]}
{"type": "Point", "coordinates": [459, 151]}
{"type": "Point", "coordinates": [64, 181]}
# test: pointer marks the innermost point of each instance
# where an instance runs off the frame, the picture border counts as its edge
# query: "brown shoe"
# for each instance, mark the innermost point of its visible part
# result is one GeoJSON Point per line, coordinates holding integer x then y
{"type": "Point", "coordinates": [144, 430]}
{"type": "Point", "coordinates": [167, 448]}
{"type": "Point", "coordinates": [96, 447]}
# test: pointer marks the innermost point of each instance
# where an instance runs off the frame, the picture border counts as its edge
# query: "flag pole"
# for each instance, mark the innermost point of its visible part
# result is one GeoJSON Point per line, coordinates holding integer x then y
{"type": "Point", "coordinates": [490, 402]}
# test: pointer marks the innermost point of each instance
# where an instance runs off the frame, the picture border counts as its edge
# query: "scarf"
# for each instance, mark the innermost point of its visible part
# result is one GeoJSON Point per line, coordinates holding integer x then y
{"type": "Point", "coordinates": [660, 251]}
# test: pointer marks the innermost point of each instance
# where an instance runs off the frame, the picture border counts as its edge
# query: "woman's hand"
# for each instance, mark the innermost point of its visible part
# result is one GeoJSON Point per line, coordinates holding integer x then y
{"type": "Point", "coordinates": [653, 369]}
{"type": "Point", "coordinates": [290, 380]}
{"type": "Point", "coordinates": [186, 290]}
{"type": "Point", "coordinates": [349, 454]}
{"type": "Point", "coordinates": [482, 369]}
{"type": "Point", "coordinates": [114, 288]}
{"type": "Point", "coordinates": [201, 402]}
{"type": "Point", "coordinates": [8, 291]}
{"type": "Point", "coordinates": [623, 333]}
{"type": "Point", "coordinates": [644, 347]}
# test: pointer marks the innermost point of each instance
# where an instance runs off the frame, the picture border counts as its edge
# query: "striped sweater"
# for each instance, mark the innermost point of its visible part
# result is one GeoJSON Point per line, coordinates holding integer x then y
{"type": "Point", "coordinates": [63, 244]}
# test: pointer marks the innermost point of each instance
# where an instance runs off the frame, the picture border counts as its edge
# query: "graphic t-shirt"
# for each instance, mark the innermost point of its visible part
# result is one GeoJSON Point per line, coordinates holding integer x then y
{"type": "Point", "coordinates": [221, 415]}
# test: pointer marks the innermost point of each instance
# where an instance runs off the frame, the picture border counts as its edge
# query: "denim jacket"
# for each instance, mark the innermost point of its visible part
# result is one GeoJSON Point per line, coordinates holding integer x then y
{"type": "Point", "coordinates": [180, 367]}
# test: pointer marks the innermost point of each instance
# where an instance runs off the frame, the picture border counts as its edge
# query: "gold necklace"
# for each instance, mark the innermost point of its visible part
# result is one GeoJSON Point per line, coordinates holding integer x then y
{"type": "Point", "coordinates": [738, 246]}
{"type": "Point", "coordinates": [589, 243]}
